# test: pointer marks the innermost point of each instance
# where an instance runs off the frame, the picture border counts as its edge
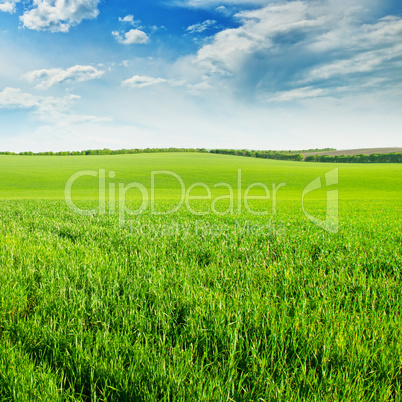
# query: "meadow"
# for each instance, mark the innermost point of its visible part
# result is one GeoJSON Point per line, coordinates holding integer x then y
{"type": "Point", "coordinates": [189, 306]}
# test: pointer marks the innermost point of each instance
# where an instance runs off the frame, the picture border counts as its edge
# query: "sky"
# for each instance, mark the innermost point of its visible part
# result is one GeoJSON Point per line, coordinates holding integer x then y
{"type": "Point", "coordinates": [249, 74]}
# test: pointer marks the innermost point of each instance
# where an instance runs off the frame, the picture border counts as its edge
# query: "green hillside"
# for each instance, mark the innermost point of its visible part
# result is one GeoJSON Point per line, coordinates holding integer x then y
{"type": "Point", "coordinates": [45, 177]}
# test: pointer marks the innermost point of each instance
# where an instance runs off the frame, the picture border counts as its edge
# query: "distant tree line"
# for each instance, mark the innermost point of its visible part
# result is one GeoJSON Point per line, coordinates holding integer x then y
{"type": "Point", "coordinates": [393, 157]}
{"type": "Point", "coordinates": [107, 151]}
{"type": "Point", "coordinates": [279, 155]}
{"type": "Point", "coordinates": [303, 151]}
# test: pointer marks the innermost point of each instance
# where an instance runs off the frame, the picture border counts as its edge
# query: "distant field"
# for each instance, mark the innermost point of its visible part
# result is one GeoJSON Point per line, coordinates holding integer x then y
{"type": "Point", "coordinates": [45, 177]}
{"type": "Point", "coordinates": [364, 151]}
{"type": "Point", "coordinates": [228, 306]}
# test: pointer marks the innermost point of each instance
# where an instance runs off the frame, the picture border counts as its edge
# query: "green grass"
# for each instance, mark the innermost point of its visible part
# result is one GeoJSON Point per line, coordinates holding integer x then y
{"type": "Point", "coordinates": [41, 177]}
{"type": "Point", "coordinates": [183, 307]}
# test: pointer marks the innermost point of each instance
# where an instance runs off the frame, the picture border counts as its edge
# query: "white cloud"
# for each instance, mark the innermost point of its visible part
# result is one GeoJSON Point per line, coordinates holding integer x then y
{"type": "Point", "coordinates": [128, 18]}
{"type": "Point", "coordinates": [133, 36]}
{"type": "Point", "coordinates": [296, 94]}
{"type": "Point", "coordinates": [55, 112]}
{"type": "Point", "coordinates": [231, 47]}
{"type": "Point", "coordinates": [359, 37]}
{"type": "Point", "coordinates": [138, 81]}
{"type": "Point", "coordinates": [361, 63]}
{"type": "Point", "coordinates": [215, 3]}
{"type": "Point", "coordinates": [14, 98]}
{"type": "Point", "coordinates": [141, 81]}
{"type": "Point", "coordinates": [8, 6]}
{"type": "Point", "coordinates": [201, 26]}
{"type": "Point", "coordinates": [59, 15]}
{"type": "Point", "coordinates": [48, 78]}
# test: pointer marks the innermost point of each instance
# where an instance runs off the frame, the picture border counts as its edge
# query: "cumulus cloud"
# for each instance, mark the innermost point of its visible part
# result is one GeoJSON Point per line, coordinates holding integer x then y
{"type": "Point", "coordinates": [59, 15]}
{"type": "Point", "coordinates": [133, 36]}
{"type": "Point", "coordinates": [8, 6]}
{"type": "Point", "coordinates": [139, 81]}
{"type": "Point", "coordinates": [257, 34]}
{"type": "Point", "coordinates": [128, 19]}
{"type": "Point", "coordinates": [48, 78]}
{"type": "Point", "coordinates": [201, 26]}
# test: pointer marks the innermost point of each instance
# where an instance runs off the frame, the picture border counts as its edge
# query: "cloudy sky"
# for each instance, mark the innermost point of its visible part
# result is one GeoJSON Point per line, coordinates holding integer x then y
{"type": "Point", "coordinates": [260, 74]}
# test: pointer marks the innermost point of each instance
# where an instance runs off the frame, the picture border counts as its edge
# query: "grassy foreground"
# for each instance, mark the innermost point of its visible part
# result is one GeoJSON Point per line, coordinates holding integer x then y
{"type": "Point", "coordinates": [191, 307]}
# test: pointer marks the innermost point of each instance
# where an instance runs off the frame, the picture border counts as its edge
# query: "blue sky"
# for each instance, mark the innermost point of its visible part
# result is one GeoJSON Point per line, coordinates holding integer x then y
{"type": "Point", "coordinates": [260, 74]}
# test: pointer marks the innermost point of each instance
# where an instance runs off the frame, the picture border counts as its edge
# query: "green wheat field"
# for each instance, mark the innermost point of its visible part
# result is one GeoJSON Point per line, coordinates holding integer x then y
{"type": "Point", "coordinates": [197, 305]}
